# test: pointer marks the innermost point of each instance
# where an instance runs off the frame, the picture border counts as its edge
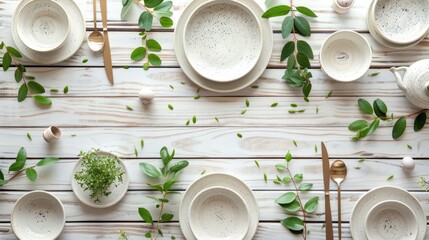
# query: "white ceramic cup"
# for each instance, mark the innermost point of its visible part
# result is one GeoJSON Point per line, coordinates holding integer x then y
{"type": "Point", "coordinates": [389, 220]}
{"type": "Point", "coordinates": [400, 22]}
{"type": "Point", "coordinates": [51, 133]}
{"type": "Point", "coordinates": [222, 40]}
{"type": "Point", "coordinates": [38, 215]}
{"type": "Point", "coordinates": [43, 25]}
{"type": "Point", "coordinates": [342, 6]}
{"type": "Point", "coordinates": [219, 213]}
{"type": "Point", "coordinates": [345, 56]}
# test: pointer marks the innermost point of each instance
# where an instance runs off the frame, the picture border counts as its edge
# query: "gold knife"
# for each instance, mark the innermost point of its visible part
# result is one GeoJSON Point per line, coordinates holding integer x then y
{"type": "Point", "coordinates": [326, 180]}
{"type": "Point", "coordinates": [106, 51]}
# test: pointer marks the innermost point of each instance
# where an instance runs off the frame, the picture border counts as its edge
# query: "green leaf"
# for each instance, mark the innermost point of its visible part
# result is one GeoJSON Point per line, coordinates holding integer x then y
{"type": "Point", "coordinates": [358, 125]}
{"type": "Point", "coordinates": [420, 122]}
{"type": "Point", "coordinates": [170, 107]}
{"type": "Point", "coordinates": [167, 185]}
{"type": "Point", "coordinates": [274, 104]}
{"type": "Point", "coordinates": [1, 45]}
{"type": "Point", "coordinates": [146, 66]}
{"type": "Point", "coordinates": [19, 163]}
{"type": "Point", "coordinates": [276, 11]}
{"type": "Point", "coordinates": [142, 143]}
{"type": "Point", "coordinates": [306, 90]}
{"type": "Point", "coordinates": [304, 48]}
{"type": "Point", "coordinates": [138, 53]}
{"type": "Point", "coordinates": [287, 26]}
{"type": "Point", "coordinates": [146, 20]}
{"type": "Point", "coordinates": [306, 11]}
{"type": "Point", "coordinates": [18, 75]}
{"type": "Point", "coordinates": [1, 175]}
{"type": "Point", "coordinates": [153, 45]}
{"type": "Point", "coordinates": [126, 8]}
{"type": "Point", "coordinates": [148, 235]}
{"type": "Point", "coordinates": [42, 100]}
{"type": "Point", "coordinates": [165, 156]}
{"type": "Point", "coordinates": [293, 224]}
{"type": "Point", "coordinates": [22, 92]}
{"type": "Point", "coordinates": [3, 182]}
{"type": "Point", "coordinates": [288, 156]}
{"type": "Point", "coordinates": [292, 206]}
{"type": "Point", "coordinates": [287, 50]}
{"type": "Point", "coordinates": [286, 180]}
{"type": "Point", "coordinates": [265, 178]}
{"type": "Point", "coordinates": [280, 167]}
{"type": "Point", "coordinates": [302, 26]}
{"type": "Point", "coordinates": [390, 177]}
{"type": "Point", "coordinates": [194, 119]}
{"type": "Point", "coordinates": [145, 215]}
{"type": "Point", "coordinates": [7, 60]}
{"type": "Point", "coordinates": [257, 163]}
{"type": "Point", "coordinates": [13, 52]}
{"type": "Point", "coordinates": [31, 174]}
{"type": "Point", "coordinates": [311, 205]}
{"type": "Point", "coordinates": [47, 161]}
{"type": "Point", "coordinates": [154, 59]}
{"type": "Point", "coordinates": [365, 106]}
{"type": "Point", "coordinates": [150, 170]}
{"type": "Point", "coordinates": [303, 60]}
{"type": "Point", "coordinates": [179, 166]}
{"type": "Point", "coordinates": [399, 128]}
{"type": "Point", "coordinates": [305, 186]}
{"type": "Point", "coordinates": [166, 217]}
{"type": "Point", "coordinates": [381, 105]}
{"type": "Point", "coordinates": [374, 125]}
{"type": "Point", "coordinates": [166, 22]}
{"type": "Point", "coordinates": [35, 87]}
{"type": "Point", "coordinates": [286, 198]}
{"type": "Point", "coordinates": [165, 14]}
{"type": "Point", "coordinates": [298, 177]}
{"type": "Point", "coordinates": [164, 6]}
{"type": "Point", "coordinates": [66, 89]}
{"type": "Point", "coordinates": [152, 3]}
{"type": "Point", "coordinates": [291, 63]}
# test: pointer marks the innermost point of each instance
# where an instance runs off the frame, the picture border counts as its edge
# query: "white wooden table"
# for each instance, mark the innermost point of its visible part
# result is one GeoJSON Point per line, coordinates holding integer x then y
{"type": "Point", "coordinates": [95, 112]}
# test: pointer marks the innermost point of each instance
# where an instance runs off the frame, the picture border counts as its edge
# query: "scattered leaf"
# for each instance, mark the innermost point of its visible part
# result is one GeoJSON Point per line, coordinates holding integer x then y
{"type": "Point", "coordinates": [145, 215]}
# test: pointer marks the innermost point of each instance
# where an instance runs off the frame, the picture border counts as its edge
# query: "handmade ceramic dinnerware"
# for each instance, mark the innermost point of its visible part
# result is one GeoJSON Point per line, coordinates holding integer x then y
{"type": "Point", "coordinates": [218, 213]}
{"type": "Point", "coordinates": [51, 133]}
{"type": "Point", "coordinates": [43, 25]}
{"type": "Point", "coordinates": [389, 220]}
{"type": "Point", "coordinates": [224, 87]}
{"type": "Point", "coordinates": [38, 215]}
{"type": "Point", "coordinates": [71, 45]}
{"type": "Point", "coordinates": [218, 180]}
{"type": "Point", "coordinates": [415, 82]}
{"type": "Point", "coordinates": [222, 40]}
{"type": "Point", "coordinates": [118, 189]}
{"type": "Point", "coordinates": [400, 22]}
{"type": "Point", "coordinates": [342, 6]}
{"type": "Point", "coordinates": [345, 56]}
{"type": "Point", "coordinates": [380, 194]}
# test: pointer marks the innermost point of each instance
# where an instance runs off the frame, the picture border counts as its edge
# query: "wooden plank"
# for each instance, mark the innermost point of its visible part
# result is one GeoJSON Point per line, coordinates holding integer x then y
{"type": "Point", "coordinates": [213, 142]}
{"type": "Point", "coordinates": [372, 173]}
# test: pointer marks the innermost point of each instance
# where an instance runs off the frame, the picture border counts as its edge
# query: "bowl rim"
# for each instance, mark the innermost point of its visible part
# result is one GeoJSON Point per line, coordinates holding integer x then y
{"type": "Point", "coordinates": [231, 2]}
{"type": "Point", "coordinates": [367, 66]}
{"type": "Point", "coordinates": [20, 17]}
{"type": "Point", "coordinates": [38, 192]}
{"type": "Point", "coordinates": [373, 22]}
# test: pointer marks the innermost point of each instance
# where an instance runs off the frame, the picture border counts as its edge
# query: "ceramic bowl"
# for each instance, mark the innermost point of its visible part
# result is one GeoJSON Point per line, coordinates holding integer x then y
{"type": "Point", "coordinates": [400, 22]}
{"type": "Point", "coordinates": [342, 6]}
{"type": "Point", "coordinates": [391, 220]}
{"type": "Point", "coordinates": [38, 215]}
{"type": "Point", "coordinates": [345, 56]}
{"type": "Point", "coordinates": [43, 25]}
{"type": "Point", "coordinates": [222, 40]}
{"type": "Point", "coordinates": [219, 213]}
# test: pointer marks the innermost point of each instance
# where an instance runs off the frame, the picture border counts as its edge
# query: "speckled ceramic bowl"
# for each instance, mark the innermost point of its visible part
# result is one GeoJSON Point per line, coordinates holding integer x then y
{"type": "Point", "coordinates": [219, 213]}
{"type": "Point", "coordinates": [400, 22]}
{"type": "Point", "coordinates": [38, 215]}
{"type": "Point", "coordinates": [222, 40]}
{"type": "Point", "coordinates": [391, 220]}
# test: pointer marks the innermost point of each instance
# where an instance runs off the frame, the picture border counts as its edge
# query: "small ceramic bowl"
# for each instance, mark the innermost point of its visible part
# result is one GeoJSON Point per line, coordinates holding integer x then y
{"type": "Point", "coordinates": [391, 220]}
{"type": "Point", "coordinates": [38, 215]}
{"type": "Point", "coordinates": [345, 56]}
{"type": "Point", "coordinates": [219, 213]}
{"type": "Point", "coordinates": [400, 22]}
{"type": "Point", "coordinates": [222, 40]}
{"type": "Point", "coordinates": [342, 6]}
{"type": "Point", "coordinates": [43, 25]}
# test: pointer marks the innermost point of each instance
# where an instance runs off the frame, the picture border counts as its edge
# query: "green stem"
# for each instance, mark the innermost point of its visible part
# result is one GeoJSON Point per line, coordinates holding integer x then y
{"type": "Point", "coordinates": [304, 233]}
{"type": "Point", "coordinates": [19, 69]}
{"type": "Point", "coordinates": [20, 171]}
{"type": "Point", "coordinates": [404, 116]}
{"type": "Point", "coordinates": [146, 8]}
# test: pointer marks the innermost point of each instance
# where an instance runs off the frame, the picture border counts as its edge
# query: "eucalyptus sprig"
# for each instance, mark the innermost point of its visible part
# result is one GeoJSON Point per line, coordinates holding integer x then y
{"type": "Point", "coordinates": [166, 177]}
{"type": "Point", "coordinates": [423, 183]}
{"type": "Point", "coordinates": [29, 85]}
{"type": "Point", "coordinates": [158, 9]}
{"type": "Point", "coordinates": [378, 110]}
{"type": "Point", "coordinates": [292, 202]}
{"type": "Point", "coordinates": [297, 52]}
{"type": "Point", "coordinates": [18, 167]}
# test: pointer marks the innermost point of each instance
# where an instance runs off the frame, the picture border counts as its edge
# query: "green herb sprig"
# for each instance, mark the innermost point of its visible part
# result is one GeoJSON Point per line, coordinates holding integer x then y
{"type": "Point", "coordinates": [423, 183]}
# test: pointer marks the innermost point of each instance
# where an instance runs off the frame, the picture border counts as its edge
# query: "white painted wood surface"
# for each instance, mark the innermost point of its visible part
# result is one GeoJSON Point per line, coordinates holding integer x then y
{"type": "Point", "coordinates": [95, 112]}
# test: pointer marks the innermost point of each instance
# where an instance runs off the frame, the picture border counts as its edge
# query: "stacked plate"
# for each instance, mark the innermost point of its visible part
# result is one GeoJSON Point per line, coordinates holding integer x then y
{"type": "Point", "coordinates": [223, 45]}
{"type": "Point", "coordinates": [398, 24]}
{"type": "Point", "coordinates": [387, 213]}
{"type": "Point", "coordinates": [218, 206]}
{"type": "Point", "coordinates": [48, 31]}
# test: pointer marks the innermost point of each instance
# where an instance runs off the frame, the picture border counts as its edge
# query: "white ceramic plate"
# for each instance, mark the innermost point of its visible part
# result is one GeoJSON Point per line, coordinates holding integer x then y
{"type": "Point", "coordinates": [252, 76]}
{"type": "Point", "coordinates": [377, 195]}
{"type": "Point", "coordinates": [118, 192]}
{"type": "Point", "coordinates": [38, 215]}
{"type": "Point", "coordinates": [71, 45]}
{"type": "Point", "coordinates": [220, 180]}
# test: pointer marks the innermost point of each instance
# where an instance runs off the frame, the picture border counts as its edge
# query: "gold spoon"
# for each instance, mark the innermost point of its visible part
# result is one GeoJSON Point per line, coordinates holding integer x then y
{"type": "Point", "coordinates": [338, 174]}
{"type": "Point", "coordinates": [95, 39]}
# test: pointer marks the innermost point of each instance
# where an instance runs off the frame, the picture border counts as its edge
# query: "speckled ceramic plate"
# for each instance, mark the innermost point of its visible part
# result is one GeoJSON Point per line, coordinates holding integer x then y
{"type": "Point", "coordinates": [377, 195]}
{"type": "Point", "coordinates": [219, 180]}
{"type": "Point", "coordinates": [248, 79]}
{"type": "Point", "coordinates": [70, 46]}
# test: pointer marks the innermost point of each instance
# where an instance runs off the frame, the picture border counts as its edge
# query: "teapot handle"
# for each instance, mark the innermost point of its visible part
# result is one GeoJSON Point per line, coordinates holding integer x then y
{"type": "Point", "coordinates": [399, 79]}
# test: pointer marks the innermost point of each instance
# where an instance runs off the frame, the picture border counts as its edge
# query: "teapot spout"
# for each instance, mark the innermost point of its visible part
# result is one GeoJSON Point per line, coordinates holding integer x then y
{"type": "Point", "coordinates": [399, 78]}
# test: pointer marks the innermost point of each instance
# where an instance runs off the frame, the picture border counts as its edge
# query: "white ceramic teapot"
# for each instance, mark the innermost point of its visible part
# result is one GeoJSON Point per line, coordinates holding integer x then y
{"type": "Point", "coordinates": [415, 82]}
